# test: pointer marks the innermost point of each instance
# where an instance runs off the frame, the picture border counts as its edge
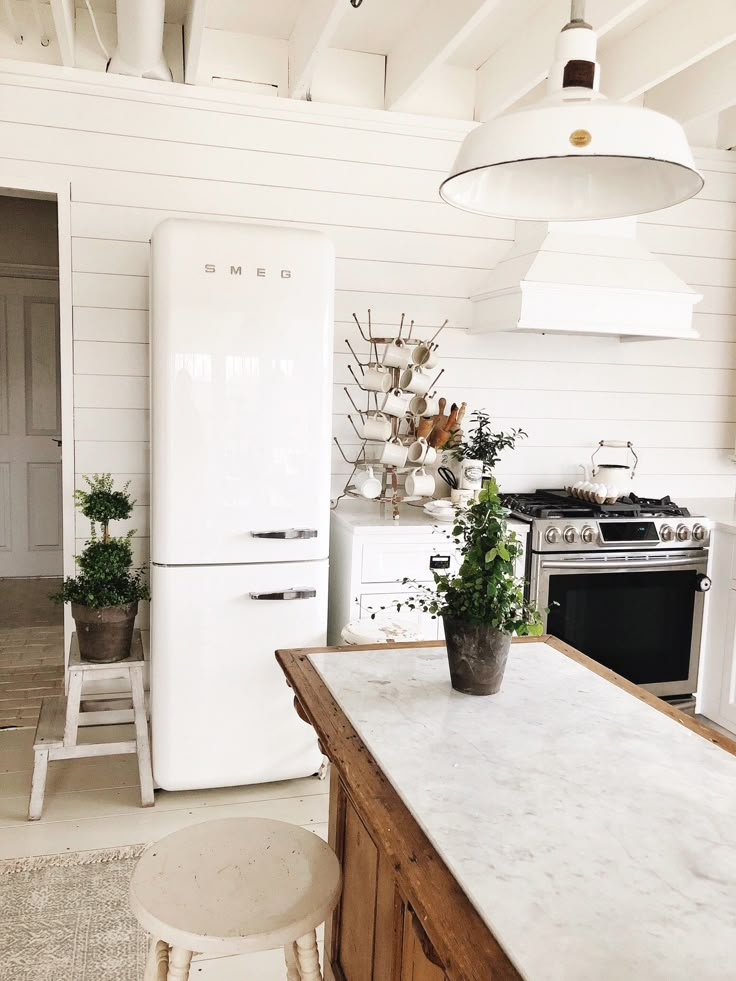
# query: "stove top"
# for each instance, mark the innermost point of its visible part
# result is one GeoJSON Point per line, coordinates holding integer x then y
{"type": "Point", "coordinates": [560, 504]}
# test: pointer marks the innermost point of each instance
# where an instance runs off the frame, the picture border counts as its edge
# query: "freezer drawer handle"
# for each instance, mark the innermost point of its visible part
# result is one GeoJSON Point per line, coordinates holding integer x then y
{"type": "Point", "coordinates": [286, 594]}
{"type": "Point", "coordinates": [287, 533]}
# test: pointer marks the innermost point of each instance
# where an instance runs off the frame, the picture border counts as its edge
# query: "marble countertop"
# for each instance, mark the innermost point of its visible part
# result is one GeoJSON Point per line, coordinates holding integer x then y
{"type": "Point", "coordinates": [595, 836]}
{"type": "Point", "coordinates": [370, 518]}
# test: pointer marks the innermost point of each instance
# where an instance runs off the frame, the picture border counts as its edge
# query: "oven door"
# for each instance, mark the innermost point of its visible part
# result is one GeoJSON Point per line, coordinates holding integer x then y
{"type": "Point", "coordinates": [640, 616]}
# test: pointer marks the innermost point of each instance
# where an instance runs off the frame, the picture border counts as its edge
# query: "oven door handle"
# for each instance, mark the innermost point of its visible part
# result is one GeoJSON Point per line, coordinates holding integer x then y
{"type": "Point", "coordinates": [623, 566]}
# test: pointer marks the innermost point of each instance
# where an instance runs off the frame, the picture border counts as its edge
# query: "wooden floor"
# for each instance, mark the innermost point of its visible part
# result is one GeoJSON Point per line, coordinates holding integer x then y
{"type": "Point", "coordinates": [94, 803]}
{"type": "Point", "coordinates": [31, 667]}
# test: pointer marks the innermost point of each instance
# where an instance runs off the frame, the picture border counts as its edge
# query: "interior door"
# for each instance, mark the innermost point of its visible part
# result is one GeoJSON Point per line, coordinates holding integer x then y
{"type": "Point", "coordinates": [30, 429]}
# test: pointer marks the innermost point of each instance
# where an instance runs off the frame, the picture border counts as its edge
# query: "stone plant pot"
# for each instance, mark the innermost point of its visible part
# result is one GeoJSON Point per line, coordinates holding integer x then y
{"type": "Point", "coordinates": [477, 654]}
{"type": "Point", "coordinates": [105, 634]}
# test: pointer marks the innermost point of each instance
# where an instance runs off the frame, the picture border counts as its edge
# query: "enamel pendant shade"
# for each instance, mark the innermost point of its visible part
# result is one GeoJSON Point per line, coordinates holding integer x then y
{"type": "Point", "coordinates": [574, 155]}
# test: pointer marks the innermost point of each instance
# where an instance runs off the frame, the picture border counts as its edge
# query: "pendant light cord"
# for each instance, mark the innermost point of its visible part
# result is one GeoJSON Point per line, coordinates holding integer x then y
{"type": "Point", "coordinates": [577, 11]}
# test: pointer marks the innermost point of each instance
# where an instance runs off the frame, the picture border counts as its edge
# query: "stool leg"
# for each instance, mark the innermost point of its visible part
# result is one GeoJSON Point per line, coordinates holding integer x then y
{"type": "Point", "coordinates": [73, 698]}
{"type": "Point", "coordinates": [143, 746]}
{"type": "Point", "coordinates": [292, 967]}
{"type": "Point", "coordinates": [308, 957]}
{"type": "Point", "coordinates": [38, 784]}
{"type": "Point", "coordinates": [157, 965]}
{"type": "Point", "coordinates": [179, 961]}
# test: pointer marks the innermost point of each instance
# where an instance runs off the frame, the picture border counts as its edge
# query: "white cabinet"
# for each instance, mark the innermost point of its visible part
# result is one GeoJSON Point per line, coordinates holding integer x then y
{"type": "Point", "coordinates": [371, 554]}
{"type": "Point", "coordinates": [717, 690]}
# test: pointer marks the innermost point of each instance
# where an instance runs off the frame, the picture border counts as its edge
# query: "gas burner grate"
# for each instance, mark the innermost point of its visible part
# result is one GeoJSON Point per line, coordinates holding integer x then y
{"type": "Point", "coordinates": [559, 504]}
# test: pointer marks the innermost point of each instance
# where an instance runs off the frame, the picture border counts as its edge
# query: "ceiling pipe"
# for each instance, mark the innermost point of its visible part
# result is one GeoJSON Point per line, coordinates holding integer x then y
{"type": "Point", "coordinates": [139, 50]}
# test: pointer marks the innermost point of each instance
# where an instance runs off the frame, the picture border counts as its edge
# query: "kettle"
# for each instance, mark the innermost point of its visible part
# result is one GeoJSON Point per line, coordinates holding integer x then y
{"type": "Point", "coordinates": [619, 475]}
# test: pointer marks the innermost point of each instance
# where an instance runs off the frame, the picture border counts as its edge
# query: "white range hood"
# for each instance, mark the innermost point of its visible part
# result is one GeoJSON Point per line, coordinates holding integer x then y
{"type": "Point", "coordinates": [586, 277]}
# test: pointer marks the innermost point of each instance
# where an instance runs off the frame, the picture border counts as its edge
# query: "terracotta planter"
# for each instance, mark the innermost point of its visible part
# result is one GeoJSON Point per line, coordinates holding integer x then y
{"type": "Point", "coordinates": [477, 654]}
{"type": "Point", "coordinates": [105, 634]}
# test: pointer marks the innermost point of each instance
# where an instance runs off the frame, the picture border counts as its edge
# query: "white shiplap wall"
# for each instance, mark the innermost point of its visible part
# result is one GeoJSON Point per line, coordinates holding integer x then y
{"type": "Point", "coordinates": [136, 153]}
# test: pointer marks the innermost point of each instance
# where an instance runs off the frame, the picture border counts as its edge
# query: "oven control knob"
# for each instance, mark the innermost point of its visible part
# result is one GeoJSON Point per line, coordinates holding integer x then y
{"type": "Point", "coordinates": [703, 584]}
{"type": "Point", "coordinates": [552, 535]}
{"type": "Point", "coordinates": [683, 533]}
{"type": "Point", "coordinates": [666, 533]}
{"type": "Point", "coordinates": [588, 535]}
{"type": "Point", "coordinates": [570, 535]}
{"type": "Point", "coordinates": [700, 533]}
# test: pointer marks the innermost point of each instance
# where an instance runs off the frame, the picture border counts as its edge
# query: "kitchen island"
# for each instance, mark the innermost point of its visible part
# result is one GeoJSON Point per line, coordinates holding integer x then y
{"type": "Point", "coordinates": [571, 827]}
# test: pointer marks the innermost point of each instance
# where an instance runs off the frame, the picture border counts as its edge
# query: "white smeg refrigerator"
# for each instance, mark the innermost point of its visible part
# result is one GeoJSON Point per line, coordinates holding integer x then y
{"type": "Point", "coordinates": [241, 385]}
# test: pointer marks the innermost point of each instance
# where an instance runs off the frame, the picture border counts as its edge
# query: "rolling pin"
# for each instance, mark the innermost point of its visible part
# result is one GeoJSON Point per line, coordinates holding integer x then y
{"type": "Point", "coordinates": [439, 422]}
{"type": "Point", "coordinates": [425, 426]}
{"type": "Point", "coordinates": [441, 436]}
{"type": "Point", "coordinates": [455, 431]}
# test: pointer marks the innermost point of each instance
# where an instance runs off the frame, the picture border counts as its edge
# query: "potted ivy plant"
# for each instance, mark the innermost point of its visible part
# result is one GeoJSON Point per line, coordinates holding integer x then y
{"type": "Point", "coordinates": [479, 452]}
{"type": "Point", "coordinates": [483, 604]}
{"type": "Point", "coordinates": [104, 596]}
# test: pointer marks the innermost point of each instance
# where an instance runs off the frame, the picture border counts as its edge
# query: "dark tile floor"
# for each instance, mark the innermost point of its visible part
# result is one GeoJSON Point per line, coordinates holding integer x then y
{"type": "Point", "coordinates": [31, 648]}
{"type": "Point", "coordinates": [25, 603]}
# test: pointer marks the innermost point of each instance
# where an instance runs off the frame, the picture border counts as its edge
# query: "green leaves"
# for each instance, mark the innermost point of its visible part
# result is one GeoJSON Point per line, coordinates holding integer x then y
{"type": "Point", "coordinates": [485, 589]}
{"type": "Point", "coordinates": [483, 444]}
{"type": "Point", "coordinates": [106, 577]}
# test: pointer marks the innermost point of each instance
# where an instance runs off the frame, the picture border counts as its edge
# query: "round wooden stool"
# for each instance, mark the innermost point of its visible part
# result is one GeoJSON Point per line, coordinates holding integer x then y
{"type": "Point", "coordinates": [234, 887]}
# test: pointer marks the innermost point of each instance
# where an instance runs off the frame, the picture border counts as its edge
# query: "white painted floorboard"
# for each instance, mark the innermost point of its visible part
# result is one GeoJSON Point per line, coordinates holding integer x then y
{"type": "Point", "coordinates": [95, 803]}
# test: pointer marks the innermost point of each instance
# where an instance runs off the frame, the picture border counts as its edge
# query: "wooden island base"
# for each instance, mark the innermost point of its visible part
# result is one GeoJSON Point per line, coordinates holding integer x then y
{"type": "Point", "coordinates": [402, 915]}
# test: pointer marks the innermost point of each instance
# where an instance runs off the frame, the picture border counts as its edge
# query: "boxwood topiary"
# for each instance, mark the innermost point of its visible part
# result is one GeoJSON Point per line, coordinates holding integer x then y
{"type": "Point", "coordinates": [106, 575]}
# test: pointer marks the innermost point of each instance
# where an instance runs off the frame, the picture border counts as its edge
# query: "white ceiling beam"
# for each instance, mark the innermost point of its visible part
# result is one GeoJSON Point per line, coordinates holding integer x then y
{"type": "Point", "coordinates": [194, 22]}
{"type": "Point", "coordinates": [727, 129]}
{"type": "Point", "coordinates": [429, 44]}
{"type": "Point", "coordinates": [314, 29]}
{"type": "Point", "coordinates": [524, 60]}
{"type": "Point", "coordinates": [63, 12]}
{"type": "Point", "coordinates": [669, 42]}
{"type": "Point", "coordinates": [704, 89]}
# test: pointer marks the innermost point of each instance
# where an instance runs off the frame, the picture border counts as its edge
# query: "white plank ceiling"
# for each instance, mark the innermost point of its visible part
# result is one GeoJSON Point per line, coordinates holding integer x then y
{"type": "Point", "coordinates": [464, 59]}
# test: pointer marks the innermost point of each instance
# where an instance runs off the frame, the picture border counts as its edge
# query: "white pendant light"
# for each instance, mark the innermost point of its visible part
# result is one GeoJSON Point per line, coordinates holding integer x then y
{"type": "Point", "coordinates": [573, 156]}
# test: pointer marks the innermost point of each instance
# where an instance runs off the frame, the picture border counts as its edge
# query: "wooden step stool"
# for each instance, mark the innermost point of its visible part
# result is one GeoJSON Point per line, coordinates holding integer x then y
{"type": "Point", "coordinates": [60, 718]}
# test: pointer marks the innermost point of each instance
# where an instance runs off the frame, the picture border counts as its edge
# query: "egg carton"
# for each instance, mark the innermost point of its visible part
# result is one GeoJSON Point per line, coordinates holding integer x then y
{"type": "Point", "coordinates": [584, 490]}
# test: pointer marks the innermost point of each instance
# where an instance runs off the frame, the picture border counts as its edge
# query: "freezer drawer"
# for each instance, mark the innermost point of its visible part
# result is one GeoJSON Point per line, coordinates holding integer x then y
{"type": "Point", "coordinates": [221, 712]}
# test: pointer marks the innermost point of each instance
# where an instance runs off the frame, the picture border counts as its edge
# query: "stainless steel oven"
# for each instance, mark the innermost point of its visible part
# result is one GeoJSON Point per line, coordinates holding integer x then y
{"type": "Point", "coordinates": [630, 596]}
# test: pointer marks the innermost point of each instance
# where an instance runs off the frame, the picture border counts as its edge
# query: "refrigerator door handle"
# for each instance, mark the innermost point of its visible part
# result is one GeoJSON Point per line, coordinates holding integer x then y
{"type": "Point", "coordinates": [286, 533]}
{"type": "Point", "coordinates": [286, 594]}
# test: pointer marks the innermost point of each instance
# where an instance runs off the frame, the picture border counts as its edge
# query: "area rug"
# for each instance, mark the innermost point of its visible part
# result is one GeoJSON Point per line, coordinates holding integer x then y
{"type": "Point", "coordinates": [67, 918]}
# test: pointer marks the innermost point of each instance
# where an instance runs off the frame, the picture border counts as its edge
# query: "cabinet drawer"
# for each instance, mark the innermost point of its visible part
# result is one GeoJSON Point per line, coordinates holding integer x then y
{"type": "Point", "coordinates": [391, 563]}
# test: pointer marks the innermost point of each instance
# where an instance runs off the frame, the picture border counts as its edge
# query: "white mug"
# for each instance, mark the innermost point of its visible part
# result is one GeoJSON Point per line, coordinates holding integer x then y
{"type": "Point", "coordinates": [421, 452]}
{"type": "Point", "coordinates": [377, 378]}
{"type": "Point", "coordinates": [418, 405]}
{"type": "Point", "coordinates": [431, 407]}
{"type": "Point", "coordinates": [376, 426]}
{"type": "Point", "coordinates": [397, 354]}
{"type": "Point", "coordinates": [394, 453]}
{"type": "Point", "coordinates": [396, 403]}
{"type": "Point", "coordinates": [471, 475]}
{"type": "Point", "coordinates": [419, 483]}
{"type": "Point", "coordinates": [425, 355]}
{"type": "Point", "coordinates": [367, 484]}
{"type": "Point", "coordinates": [414, 379]}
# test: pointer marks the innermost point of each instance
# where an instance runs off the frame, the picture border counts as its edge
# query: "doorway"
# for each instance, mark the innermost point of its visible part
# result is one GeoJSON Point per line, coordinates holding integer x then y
{"type": "Point", "coordinates": [31, 510]}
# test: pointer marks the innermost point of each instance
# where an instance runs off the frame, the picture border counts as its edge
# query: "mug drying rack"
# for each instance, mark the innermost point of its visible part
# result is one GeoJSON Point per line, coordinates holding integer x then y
{"type": "Point", "coordinates": [403, 428]}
